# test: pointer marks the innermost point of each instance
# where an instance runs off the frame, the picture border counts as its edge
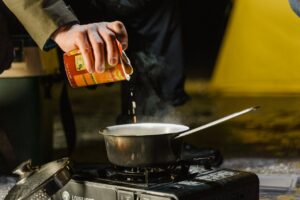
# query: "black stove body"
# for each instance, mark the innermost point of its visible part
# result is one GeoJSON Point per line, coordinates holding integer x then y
{"type": "Point", "coordinates": [217, 184]}
{"type": "Point", "coordinates": [190, 180]}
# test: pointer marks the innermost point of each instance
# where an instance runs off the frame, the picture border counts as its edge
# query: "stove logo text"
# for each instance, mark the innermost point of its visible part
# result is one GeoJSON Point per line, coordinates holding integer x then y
{"type": "Point", "coordinates": [66, 196]}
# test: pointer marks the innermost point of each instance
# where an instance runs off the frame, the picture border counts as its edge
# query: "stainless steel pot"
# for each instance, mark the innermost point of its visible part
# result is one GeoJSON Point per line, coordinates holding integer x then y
{"type": "Point", "coordinates": [142, 144]}
{"type": "Point", "coordinates": [148, 144]}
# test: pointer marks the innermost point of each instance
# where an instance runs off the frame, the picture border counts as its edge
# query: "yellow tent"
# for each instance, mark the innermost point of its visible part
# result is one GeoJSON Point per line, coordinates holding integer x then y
{"type": "Point", "coordinates": [260, 53]}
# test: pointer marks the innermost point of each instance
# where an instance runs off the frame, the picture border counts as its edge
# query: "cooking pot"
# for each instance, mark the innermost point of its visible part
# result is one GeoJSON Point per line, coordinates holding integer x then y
{"type": "Point", "coordinates": [150, 144]}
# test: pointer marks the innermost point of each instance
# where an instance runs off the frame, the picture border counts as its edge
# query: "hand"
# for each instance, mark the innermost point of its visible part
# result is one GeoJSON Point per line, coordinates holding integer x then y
{"type": "Point", "coordinates": [97, 37]}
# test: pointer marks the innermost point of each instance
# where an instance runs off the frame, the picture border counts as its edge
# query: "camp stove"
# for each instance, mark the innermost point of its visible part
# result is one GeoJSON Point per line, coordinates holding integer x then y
{"type": "Point", "coordinates": [195, 178]}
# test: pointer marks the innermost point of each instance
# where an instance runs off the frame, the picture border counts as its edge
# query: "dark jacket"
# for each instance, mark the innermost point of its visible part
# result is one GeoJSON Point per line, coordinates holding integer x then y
{"type": "Point", "coordinates": [6, 48]}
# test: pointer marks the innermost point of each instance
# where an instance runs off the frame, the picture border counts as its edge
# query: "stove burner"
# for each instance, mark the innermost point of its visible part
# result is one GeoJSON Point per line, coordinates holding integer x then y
{"type": "Point", "coordinates": [147, 175]}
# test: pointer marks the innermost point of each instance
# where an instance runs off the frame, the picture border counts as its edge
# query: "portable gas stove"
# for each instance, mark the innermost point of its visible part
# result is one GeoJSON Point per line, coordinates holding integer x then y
{"type": "Point", "coordinates": [193, 178]}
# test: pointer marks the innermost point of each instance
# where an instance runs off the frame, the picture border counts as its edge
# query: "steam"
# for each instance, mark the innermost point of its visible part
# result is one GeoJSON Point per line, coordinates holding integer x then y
{"type": "Point", "coordinates": [153, 104]}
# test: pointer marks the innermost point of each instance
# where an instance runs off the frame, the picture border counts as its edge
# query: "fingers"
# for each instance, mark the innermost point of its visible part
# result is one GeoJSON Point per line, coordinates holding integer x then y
{"type": "Point", "coordinates": [112, 50]}
{"type": "Point", "coordinates": [98, 49]}
{"type": "Point", "coordinates": [101, 39]}
{"type": "Point", "coordinates": [119, 29]}
{"type": "Point", "coordinates": [81, 40]}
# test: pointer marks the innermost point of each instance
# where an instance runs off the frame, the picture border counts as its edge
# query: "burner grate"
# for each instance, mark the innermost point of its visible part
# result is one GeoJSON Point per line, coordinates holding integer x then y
{"type": "Point", "coordinates": [147, 175]}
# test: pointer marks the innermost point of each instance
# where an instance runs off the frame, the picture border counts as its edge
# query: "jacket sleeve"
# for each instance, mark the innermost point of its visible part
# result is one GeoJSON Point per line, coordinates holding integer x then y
{"type": "Point", "coordinates": [295, 4]}
{"type": "Point", "coordinates": [41, 18]}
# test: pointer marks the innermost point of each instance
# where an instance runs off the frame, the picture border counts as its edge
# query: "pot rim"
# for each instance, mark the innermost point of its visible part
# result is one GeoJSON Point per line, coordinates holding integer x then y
{"type": "Point", "coordinates": [148, 129]}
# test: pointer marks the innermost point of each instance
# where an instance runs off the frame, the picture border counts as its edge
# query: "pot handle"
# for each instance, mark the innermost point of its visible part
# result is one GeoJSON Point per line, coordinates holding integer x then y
{"type": "Point", "coordinates": [223, 119]}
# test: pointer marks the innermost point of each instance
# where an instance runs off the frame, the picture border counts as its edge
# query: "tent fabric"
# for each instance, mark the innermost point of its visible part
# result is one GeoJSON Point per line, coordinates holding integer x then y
{"type": "Point", "coordinates": [261, 50]}
{"type": "Point", "coordinates": [295, 4]}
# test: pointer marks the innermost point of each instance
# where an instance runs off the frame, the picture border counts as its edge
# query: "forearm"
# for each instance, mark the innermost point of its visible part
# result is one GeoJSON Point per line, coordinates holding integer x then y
{"type": "Point", "coordinates": [41, 18]}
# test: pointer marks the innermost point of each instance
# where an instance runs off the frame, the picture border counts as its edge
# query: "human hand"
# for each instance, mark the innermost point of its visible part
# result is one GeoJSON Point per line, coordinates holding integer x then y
{"type": "Point", "coordinates": [97, 37]}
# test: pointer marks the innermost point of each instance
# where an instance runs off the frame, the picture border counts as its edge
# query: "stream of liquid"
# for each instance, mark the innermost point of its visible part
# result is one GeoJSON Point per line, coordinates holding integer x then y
{"type": "Point", "coordinates": [132, 112]}
{"type": "Point", "coordinates": [133, 107]}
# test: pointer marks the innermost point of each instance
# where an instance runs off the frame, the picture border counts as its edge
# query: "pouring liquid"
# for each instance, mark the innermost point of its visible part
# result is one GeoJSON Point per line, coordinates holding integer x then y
{"type": "Point", "coordinates": [133, 107]}
{"type": "Point", "coordinates": [132, 111]}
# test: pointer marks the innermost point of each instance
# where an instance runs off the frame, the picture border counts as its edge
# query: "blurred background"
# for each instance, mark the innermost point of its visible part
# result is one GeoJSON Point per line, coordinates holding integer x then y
{"type": "Point", "coordinates": [238, 54]}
